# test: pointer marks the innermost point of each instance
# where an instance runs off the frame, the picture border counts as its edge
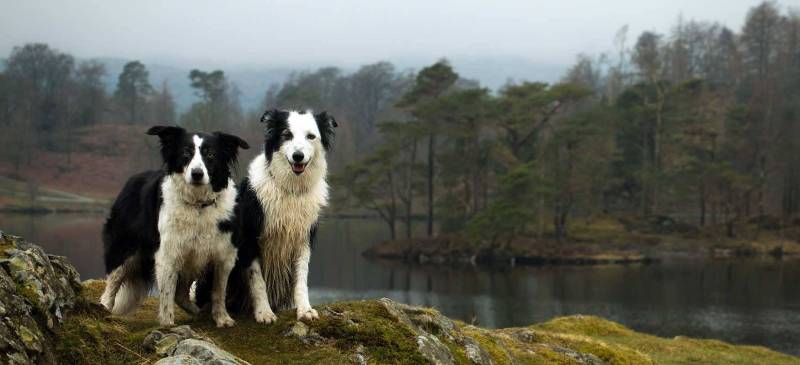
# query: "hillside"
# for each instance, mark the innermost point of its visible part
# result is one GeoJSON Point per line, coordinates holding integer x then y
{"type": "Point", "coordinates": [104, 156]}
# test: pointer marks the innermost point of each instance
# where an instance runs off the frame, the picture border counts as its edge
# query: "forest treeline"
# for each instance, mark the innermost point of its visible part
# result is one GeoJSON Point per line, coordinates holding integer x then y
{"type": "Point", "coordinates": [699, 124]}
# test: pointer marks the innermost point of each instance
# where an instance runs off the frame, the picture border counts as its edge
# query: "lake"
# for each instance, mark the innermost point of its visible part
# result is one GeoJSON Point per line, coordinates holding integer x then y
{"type": "Point", "coordinates": [752, 301]}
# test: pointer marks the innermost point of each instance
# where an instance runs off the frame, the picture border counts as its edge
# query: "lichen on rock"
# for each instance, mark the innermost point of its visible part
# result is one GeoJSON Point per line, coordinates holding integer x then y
{"type": "Point", "coordinates": [182, 345]}
{"type": "Point", "coordinates": [205, 353]}
{"type": "Point", "coordinates": [36, 289]}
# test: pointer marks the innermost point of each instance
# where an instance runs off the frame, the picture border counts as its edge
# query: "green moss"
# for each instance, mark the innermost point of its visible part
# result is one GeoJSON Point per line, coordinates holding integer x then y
{"type": "Point", "coordinates": [372, 326]}
{"type": "Point", "coordinates": [265, 344]}
{"type": "Point", "coordinates": [585, 325]}
{"type": "Point", "coordinates": [609, 352]}
{"type": "Point", "coordinates": [28, 337]}
{"type": "Point", "coordinates": [489, 343]}
{"type": "Point", "coordinates": [28, 292]}
{"type": "Point", "coordinates": [679, 350]}
{"type": "Point", "coordinates": [459, 354]}
{"type": "Point", "coordinates": [88, 336]}
{"type": "Point", "coordinates": [4, 245]}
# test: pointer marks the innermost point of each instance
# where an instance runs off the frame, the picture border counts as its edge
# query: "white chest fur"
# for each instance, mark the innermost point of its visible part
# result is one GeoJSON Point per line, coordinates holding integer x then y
{"type": "Point", "coordinates": [291, 203]}
{"type": "Point", "coordinates": [190, 234]}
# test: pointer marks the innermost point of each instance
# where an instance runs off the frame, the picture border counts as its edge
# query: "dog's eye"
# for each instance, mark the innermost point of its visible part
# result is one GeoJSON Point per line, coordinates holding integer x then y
{"type": "Point", "coordinates": [188, 152]}
{"type": "Point", "coordinates": [209, 154]}
{"type": "Point", "coordinates": [311, 136]}
{"type": "Point", "coordinates": [287, 135]}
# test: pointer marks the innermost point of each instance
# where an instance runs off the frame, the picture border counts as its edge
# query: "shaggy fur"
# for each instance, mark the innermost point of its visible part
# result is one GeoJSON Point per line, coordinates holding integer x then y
{"type": "Point", "coordinates": [278, 208]}
{"type": "Point", "coordinates": [169, 225]}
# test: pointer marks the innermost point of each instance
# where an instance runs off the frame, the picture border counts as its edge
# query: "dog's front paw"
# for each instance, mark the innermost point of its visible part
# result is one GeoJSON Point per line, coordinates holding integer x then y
{"type": "Point", "coordinates": [107, 301]}
{"type": "Point", "coordinates": [166, 319]}
{"type": "Point", "coordinates": [266, 317]}
{"type": "Point", "coordinates": [307, 313]}
{"type": "Point", "coordinates": [224, 320]}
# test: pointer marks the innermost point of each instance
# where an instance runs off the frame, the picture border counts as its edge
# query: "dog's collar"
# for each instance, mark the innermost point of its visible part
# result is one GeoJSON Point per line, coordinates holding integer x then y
{"type": "Point", "coordinates": [202, 204]}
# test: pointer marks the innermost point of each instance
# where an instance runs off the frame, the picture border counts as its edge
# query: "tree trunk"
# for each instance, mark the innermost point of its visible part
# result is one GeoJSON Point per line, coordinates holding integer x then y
{"type": "Point", "coordinates": [657, 149]}
{"type": "Point", "coordinates": [410, 188]}
{"type": "Point", "coordinates": [390, 222]}
{"type": "Point", "coordinates": [393, 205]}
{"type": "Point", "coordinates": [133, 110]}
{"type": "Point", "coordinates": [475, 183]}
{"type": "Point", "coordinates": [560, 223]}
{"type": "Point", "coordinates": [431, 170]}
{"type": "Point", "coordinates": [702, 205]}
{"type": "Point", "coordinates": [645, 174]}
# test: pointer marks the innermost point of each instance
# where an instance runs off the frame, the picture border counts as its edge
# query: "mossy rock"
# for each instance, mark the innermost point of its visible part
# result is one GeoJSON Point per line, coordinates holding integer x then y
{"type": "Point", "coordinates": [382, 331]}
{"type": "Point", "coordinates": [36, 290]}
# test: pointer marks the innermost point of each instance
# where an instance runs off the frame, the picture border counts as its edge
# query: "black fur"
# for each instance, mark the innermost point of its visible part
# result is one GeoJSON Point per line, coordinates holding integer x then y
{"type": "Point", "coordinates": [132, 225]}
{"type": "Point", "coordinates": [247, 227]}
{"type": "Point", "coordinates": [276, 122]}
{"type": "Point", "coordinates": [326, 125]}
{"type": "Point", "coordinates": [225, 226]}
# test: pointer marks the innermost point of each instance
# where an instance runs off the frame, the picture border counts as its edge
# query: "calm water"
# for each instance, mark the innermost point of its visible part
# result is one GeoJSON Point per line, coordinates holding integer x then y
{"type": "Point", "coordinates": [742, 301]}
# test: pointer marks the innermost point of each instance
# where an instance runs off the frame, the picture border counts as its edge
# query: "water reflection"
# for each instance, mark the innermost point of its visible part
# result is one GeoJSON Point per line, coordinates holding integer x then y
{"type": "Point", "coordinates": [76, 236]}
{"type": "Point", "coordinates": [750, 301]}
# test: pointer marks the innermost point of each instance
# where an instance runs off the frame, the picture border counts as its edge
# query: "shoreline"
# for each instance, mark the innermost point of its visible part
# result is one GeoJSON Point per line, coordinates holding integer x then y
{"type": "Point", "coordinates": [457, 250]}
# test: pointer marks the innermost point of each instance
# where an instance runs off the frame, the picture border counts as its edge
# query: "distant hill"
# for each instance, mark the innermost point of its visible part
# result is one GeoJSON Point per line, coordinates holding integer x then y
{"type": "Point", "coordinates": [492, 72]}
{"type": "Point", "coordinates": [252, 83]}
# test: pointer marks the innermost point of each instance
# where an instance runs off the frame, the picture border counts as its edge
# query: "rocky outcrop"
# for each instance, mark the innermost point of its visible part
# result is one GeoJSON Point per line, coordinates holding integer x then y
{"type": "Point", "coordinates": [181, 345]}
{"type": "Point", "coordinates": [36, 290]}
{"type": "Point", "coordinates": [49, 317]}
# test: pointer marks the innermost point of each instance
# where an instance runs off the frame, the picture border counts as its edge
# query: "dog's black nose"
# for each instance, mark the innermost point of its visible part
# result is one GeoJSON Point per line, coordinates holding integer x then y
{"type": "Point", "coordinates": [197, 174]}
{"type": "Point", "coordinates": [297, 156]}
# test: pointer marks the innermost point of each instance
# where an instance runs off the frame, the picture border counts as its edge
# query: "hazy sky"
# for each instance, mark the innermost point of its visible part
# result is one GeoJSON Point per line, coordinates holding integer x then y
{"type": "Point", "coordinates": [344, 33]}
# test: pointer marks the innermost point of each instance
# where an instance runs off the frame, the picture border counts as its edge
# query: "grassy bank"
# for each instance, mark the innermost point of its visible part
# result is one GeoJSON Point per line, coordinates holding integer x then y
{"type": "Point", "coordinates": [20, 197]}
{"type": "Point", "coordinates": [603, 240]}
{"type": "Point", "coordinates": [390, 333]}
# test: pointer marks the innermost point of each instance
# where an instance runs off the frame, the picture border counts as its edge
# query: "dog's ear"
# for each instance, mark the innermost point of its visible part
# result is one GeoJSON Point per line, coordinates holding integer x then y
{"type": "Point", "coordinates": [326, 124]}
{"type": "Point", "coordinates": [169, 137]}
{"type": "Point", "coordinates": [274, 121]}
{"type": "Point", "coordinates": [229, 151]}
{"type": "Point", "coordinates": [167, 134]}
{"type": "Point", "coordinates": [274, 115]}
{"type": "Point", "coordinates": [232, 141]}
{"type": "Point", "coordinates": [324, 117]}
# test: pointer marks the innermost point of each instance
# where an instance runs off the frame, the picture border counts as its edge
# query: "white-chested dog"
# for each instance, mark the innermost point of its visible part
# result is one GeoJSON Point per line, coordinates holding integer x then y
{"type": "Point", "coordinates": [171, 224]}
{"type": "Point", "coordinates": [276, 216]}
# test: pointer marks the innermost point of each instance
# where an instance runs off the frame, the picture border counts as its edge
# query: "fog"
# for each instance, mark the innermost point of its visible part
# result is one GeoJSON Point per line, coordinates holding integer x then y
{"type": "Point", "coordinates": [643, 176]}
{"type": "Point", "coordinates": [343, 33]}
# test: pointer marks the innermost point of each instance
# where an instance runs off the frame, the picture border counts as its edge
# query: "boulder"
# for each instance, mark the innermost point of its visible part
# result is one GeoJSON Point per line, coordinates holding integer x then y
{"type": "Point", "coordinates": [36, 289]}
{"type": "Point", "coordinates": [206, 353]}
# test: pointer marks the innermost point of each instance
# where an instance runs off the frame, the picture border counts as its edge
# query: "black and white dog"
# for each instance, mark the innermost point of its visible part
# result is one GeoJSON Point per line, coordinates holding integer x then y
{"type": "Point", "coordinates": [173, 223]}
{"type": "Point", "coordinates": [279, 204]}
